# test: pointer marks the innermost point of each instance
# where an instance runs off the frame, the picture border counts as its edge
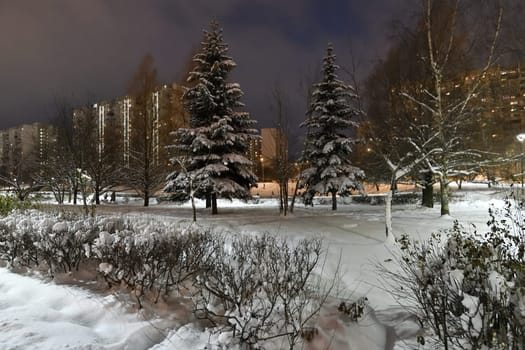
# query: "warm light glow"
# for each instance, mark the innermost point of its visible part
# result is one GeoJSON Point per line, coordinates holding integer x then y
{"type": "Point", "coordinates": [520, 137]}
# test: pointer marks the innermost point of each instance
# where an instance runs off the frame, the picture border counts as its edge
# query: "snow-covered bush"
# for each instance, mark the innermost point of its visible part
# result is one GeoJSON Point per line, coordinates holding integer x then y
{"type": "Point", "coordinates": [17, 242]}
{"type": "Point", "coordinates": [153, 258]}
{"type": "Point", "coordinates": [144, 255]}
{"type": "Point", "coordinates": [255, 290]}
{"type": "Point", "coordinates": [261, 288]}
{"type": "Point", "coordinates": [467, 289]}
{"type": "Point", "coordinates": [61, 244]}
{"type": "Point", "coordinates": [30, 238]}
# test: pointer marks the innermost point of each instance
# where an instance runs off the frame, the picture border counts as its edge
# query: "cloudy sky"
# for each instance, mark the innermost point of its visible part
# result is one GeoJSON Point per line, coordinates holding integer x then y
{"type": "Point", "coordinates": [82, 50]}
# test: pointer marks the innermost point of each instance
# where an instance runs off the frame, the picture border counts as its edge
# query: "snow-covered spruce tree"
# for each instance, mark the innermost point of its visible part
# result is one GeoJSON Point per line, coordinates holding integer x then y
{"type": "Point", "coordinates": [217, 140]}
{"type": "Point", "coordinates": [328, 148]}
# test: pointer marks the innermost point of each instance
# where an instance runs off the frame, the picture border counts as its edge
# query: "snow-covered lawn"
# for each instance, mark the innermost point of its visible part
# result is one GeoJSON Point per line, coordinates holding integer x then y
{"type": "Point", "coordinates": [46, 316]}
{"type": "Point", "coordinates": [42, 315]}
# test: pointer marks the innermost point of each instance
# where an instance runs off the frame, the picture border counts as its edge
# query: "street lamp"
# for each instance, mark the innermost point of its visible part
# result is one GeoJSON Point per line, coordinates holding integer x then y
{"type": "Point", "coordinates": [521, 139]}
{"type": "Point", "coordinates": [262, 167]}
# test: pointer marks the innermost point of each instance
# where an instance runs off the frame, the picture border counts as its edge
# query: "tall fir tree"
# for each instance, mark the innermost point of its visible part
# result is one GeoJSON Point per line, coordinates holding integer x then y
{"type": "Point", "coordinates": [329, 146]}
{"type": "Point", "coordinates": [210, 156]}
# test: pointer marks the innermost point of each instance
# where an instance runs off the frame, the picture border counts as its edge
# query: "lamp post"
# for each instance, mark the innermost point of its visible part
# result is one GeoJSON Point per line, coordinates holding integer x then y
{"type": "Point", "coordinates": [262, 168]}
{"type": "Point", "coordinates": [521, 139]}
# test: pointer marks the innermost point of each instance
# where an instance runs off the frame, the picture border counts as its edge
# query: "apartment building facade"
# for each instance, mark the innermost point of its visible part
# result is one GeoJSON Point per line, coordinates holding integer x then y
{"type": "Point", "coordinates": [117, 122]}
{"type": "Point", "coordinates": [24, 148]}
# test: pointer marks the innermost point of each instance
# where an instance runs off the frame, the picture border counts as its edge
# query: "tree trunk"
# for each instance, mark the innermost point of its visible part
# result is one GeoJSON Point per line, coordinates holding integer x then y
{"type": "Point", "coordinates": [334, 200]}
{"type": "Point", "coordinates": [285, 196]}
{"type": "Point", "coordinates": [75, 194]}
{"type": "Point", "coordinates": [214, 204]}
{"type": "Point", "coordinates": [393, 187]}
{"type": "Point", "coordinates": [443, 188]}
{"type": "Point", "coordinates": [194, 209]}
{"type": "Point", "coordinates": [281, 199]}
{"type": "Point", "coordinates": [294, 196]}
{"type": "Point", "coordinates": [146, 198]}
{"type": "Point", "coordinates": [208, 200]}
{"type": "Point", "coordinates": [428, 190]}
{"type": "Point", "coordinates": [97, 195]}
{"type": "Point", "coordinates": [59, 197]}
{"type": "Point", "coordinates": [388, 214]}
{"type": "Point", "coordinates": [84, 202]}
{"type": "Point", "coordinates": [428, 196]}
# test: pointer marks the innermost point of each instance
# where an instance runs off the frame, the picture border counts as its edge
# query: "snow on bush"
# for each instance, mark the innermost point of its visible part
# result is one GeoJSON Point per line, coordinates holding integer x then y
{"type": "Point", "coordinates": [151, 259]}
{"type": "Point", "coordinates": [32, 238]}
{"type": "Point", "coordinates": [143, 255]}
{"type": "Point", "coordinates": [466, 288]}
{"type": "Point", "coordinates": [253, 290]}
{"type": "Point", "coordinates": [263, 289]}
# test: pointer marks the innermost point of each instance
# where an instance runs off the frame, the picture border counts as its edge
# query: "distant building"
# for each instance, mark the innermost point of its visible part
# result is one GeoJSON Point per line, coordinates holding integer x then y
{"type": "Point", "coordinates": [273, 143]}
{"type": "Point", "coordinates": [24, 147]}
{"type": "Point", "coordinates": [113, 121]}
{"type": "Point", "coordinates": [502, 98]}
{"type": "Point", "coordinates": [496, 111]}
{"type": "Point", "coordinates": [254, 154]}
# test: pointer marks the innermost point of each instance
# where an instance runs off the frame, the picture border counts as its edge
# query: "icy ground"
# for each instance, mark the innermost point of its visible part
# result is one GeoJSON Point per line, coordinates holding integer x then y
{"type": "Point", "coordinates": [39, 315]}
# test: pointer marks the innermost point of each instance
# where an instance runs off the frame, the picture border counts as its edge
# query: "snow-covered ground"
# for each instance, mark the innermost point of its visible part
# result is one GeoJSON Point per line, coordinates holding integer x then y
{"type": "Point", "coordinates": [43, 315]}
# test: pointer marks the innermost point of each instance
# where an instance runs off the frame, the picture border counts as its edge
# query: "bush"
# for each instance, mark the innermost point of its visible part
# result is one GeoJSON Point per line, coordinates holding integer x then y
{"type": "Point", "coordinates": [257, 289]}
{"type": "Point", "coordinates": [17, 243]}
{"type": "Point", "coordinates": [9, 204]}
{"type": "Point", "coordinates": [262, 288]}
{"type": "Point", "coordinates": [467, 289]}
{"type": "Point", "coordinates": [150, 260]}
{"type": "Point", "coordinates": [31, 238]}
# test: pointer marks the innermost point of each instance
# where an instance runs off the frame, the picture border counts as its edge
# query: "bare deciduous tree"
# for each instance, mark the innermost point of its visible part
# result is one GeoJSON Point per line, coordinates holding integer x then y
{"type": "Point", "coordinates": [146, 171]}
{"type": "Point", "coordinates": [281, 164]}
{"type": "Point", "coordinates": [449, 106]}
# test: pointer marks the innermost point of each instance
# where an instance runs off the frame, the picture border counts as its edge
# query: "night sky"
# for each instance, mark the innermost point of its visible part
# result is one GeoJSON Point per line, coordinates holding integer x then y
{"type": "Point", "coordinates": [88, 50]}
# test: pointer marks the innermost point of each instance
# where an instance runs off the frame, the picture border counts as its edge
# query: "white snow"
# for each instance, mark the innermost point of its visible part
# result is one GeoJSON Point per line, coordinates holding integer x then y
{"type": "Point", "coordinates": [46, 316]}
{"type": "Point", "coordinates": [39, 315]}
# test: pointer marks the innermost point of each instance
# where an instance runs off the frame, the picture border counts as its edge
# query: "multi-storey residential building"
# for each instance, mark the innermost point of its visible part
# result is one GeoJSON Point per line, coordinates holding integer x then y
{"type": "Point", "coordinates": [502, 101]}
{"type": "Point", "coordinates": [274, 146]}
{"type": "Point", "coordinates": [273, 140]}
{"type": "Point", "coordinates": [113, 121]}
{"type": "Point", "coordinates": [24, 147]}
{"type": "Point", "coordinates": [254, 154]}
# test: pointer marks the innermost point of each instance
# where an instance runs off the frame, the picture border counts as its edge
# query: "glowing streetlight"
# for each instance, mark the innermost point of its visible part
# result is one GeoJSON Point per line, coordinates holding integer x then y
{"type": "Point", "coordinates": [262, 167]}
{"type": "Point", "coordinates": [521, 139]}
